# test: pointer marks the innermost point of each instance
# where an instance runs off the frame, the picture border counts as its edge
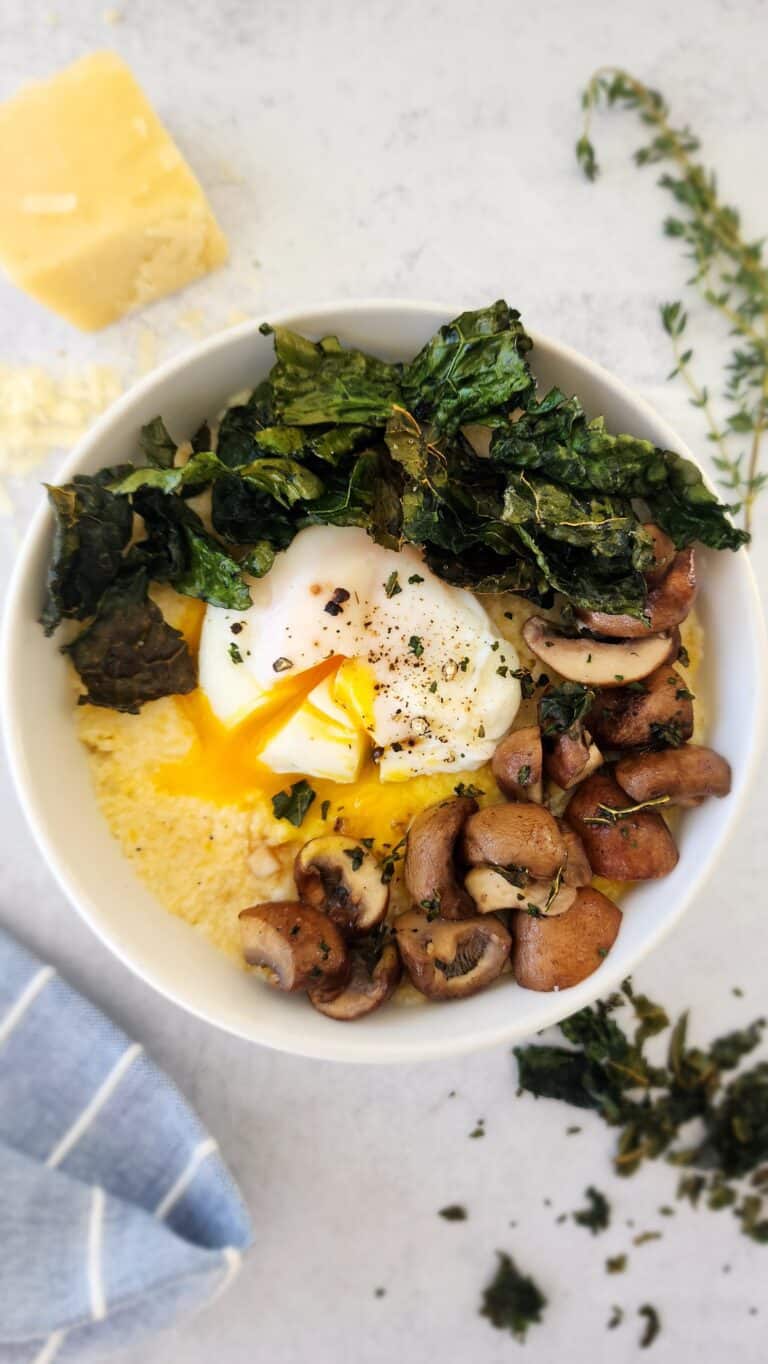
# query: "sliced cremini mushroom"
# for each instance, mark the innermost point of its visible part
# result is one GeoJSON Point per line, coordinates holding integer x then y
{"type": "Point", "coordinates": [572, 757]}
{"type": "Point", "coordinates": [492, 890]}
{"type": "Point", "coordinates": [663, 553]}
{"type": "Point", "coordinates": [595, 662]}
{"type": "Point", "coordinates": [452, 960]}
{"type": "Point", "coordinates": [514, 835]}
{"type": "Point", "coordinates": [633, 847]}
{"type": "Point", "coordinates": [517, 763]}
{"type": "Point", "coordinates": [343, 878]}
{"type": "Point", "coordinates": [430, 872]}
{"type": "Point", "coordinates": [669, 602]}
{"type": "Point", "coordinates": [297, 945]}
{"type": "Point", "coordinates": [556, 953]}
{"type": "Point", "coordinates": [687, 775]}
{"type": "Point", "coordinates": [577, 869]}
{"type": "Point", "coordinates": [627, 717]}
{"type": "Point", "coordinates": [373, 979]}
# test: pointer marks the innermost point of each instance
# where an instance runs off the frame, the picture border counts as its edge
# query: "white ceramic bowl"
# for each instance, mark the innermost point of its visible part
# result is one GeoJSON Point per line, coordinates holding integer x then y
{"type": "Point", "coordinates": [51, 770]}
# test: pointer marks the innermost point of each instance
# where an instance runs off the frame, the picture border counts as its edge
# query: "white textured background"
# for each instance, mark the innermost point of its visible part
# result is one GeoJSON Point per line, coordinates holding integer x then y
{"type": "Point", "coordinates": [425, 150]}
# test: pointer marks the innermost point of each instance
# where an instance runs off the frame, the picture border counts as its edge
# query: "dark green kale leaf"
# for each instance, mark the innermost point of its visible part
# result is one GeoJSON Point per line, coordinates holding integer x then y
{"type": "Point", "coordinates": [313, 383]}
{"type": "Point", "coordinates": [92, 528]}
{"type": "Point", "coordinates": [470, 368]}
{"type": "Point", "coordinates": [293, 805]}
{"type": "Point", "coordinates": [512, 1301]}
{"type": "Point", "coordinates": [366, 495]}
{"type": "Point", "coordinates": [157, 445]}
{"type": "Point", "coordinates": [727, 1051]}
{"type": "Point", "coordinates": [554, 439]}
{"type": "Point", "coordinates": [597, 1215]}
{"type": "Point", "coordinates": [562, 707]}
{"type": "Point", "coordinates": [129, 654]}
{"type": "Point", "coordinates": [177, 549]}
{"type": "Point", "coordinates": [199, 470]}
{"type": "Point", "coordinates": [557, 1073]}
{"type": "Point", "coordinates": [240, 425]}
{"type": "Point", "coordinates": [259, 559]}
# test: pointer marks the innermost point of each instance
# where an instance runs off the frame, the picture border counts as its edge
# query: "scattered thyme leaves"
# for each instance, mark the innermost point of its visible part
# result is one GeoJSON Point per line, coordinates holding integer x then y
{"type": "Point", "coordinates": [467, 789]}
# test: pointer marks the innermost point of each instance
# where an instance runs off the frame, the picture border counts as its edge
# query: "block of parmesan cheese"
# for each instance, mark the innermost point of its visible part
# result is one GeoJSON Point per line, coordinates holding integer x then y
{"type": "Point", "coordinates": [99, 211]}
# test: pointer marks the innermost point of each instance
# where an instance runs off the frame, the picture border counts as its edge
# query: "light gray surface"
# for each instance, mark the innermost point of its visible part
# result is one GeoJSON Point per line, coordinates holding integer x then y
{"type": "Point", "coordinates": [426, 151]}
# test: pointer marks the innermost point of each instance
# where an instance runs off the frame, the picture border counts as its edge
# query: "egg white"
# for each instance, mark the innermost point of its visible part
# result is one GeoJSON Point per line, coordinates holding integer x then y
{"type": "Point", "coordinates": [423, 680]}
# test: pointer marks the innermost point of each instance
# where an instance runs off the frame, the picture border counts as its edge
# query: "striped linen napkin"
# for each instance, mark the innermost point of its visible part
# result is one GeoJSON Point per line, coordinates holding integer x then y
{"type": "Point", "coordinates": [117, 1214]}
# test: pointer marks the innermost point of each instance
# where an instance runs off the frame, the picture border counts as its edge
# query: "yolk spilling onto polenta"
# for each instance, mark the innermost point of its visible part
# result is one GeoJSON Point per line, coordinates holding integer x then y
{"type": "Point", "coordinates": [222, 765]}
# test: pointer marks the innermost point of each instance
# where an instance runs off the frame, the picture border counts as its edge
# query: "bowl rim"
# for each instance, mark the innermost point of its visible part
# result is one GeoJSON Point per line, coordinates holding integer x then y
{"type": "Point", "coordinates": [87, 907]}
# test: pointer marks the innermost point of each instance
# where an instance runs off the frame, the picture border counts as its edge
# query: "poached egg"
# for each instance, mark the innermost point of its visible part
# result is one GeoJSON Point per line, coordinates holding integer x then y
{"type": "Point", "coordinates": [352, 654]}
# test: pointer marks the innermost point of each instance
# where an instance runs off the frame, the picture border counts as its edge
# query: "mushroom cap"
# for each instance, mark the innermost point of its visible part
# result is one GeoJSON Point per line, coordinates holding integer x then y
{"type": "Point", "coordinates": [519, 835]}
{"type": "Point", "coordinates": [556, 953]}
{"type": "Point", "coordinates": [596, 662]}
{"type": "Point", "coordinates": [430, 872]}
{"type": "Point", "coordinates": [342, 878]}
{"type": "Point", "coordinates": [687, 774]}
{"type": "Point", "coordinates": [669, 602]}
{"type": "Point", "coordinates": [452, 959]}
{"type": "Point", "coordinates": [577, 869]}
{"type": "Point", "coordinates": [299, 945]}
{"type": "Point", "coordinates": [623, 718]}
{"type": "Point", "coordinates": [373, 979]}
{"type": "Point", "coordinates": [517, 764]}
{"type": "Point", "coordinates": [638, 847]}
{"type": "Point", "coordinates": [572, 757]}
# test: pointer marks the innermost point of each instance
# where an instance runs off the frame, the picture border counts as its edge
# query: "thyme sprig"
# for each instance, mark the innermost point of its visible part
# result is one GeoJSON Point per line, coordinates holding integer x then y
{"type": "Point", "coordinates": [729, 272]}
{"type": "Point", "coordinates": [612, 814]}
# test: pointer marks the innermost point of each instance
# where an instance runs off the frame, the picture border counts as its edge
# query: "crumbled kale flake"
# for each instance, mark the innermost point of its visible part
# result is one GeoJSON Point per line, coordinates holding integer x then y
{"type": "Point", "coordinates": [616, 1264]}
{"type": "Point", "coordinates": [235, 653]}
{"type": "Point", "coordinates": [597, 1215]}
{"type": "Point", "coordinates": [392, 585]}
{"type": "Point", "coordinates": [652, 1325]}
{"type": "Point", "coordinates": [294, 804]}
{"type": "Point", "coordinates": [512, 1301]}
{"type": "Point", "coordinates": [454, 1212]}
{"type": "Point", "coordinates": [356, 857]}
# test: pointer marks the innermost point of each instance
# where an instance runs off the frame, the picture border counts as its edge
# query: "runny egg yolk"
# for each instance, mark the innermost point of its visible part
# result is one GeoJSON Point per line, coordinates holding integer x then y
{"type": "Point", "coordinates": [222, 765]}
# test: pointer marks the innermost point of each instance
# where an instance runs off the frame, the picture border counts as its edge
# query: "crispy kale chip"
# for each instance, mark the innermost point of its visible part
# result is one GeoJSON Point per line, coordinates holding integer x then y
{"type": "Point", "coordinates": [129, 654]}
{"type": "Point", "coordinates": [469, 370]}
{"type": "Point", "coordinates": [92, 529]}
{"type": "Point", "coordinates": [322, 382]}
{"type": "Point", "coordinates": [553, 439]}
{"type": "Point", "coordinates": [177, 549]}
{"type": "Point", "coordinates": [157, 445]}
{"type": "Point", "coordinates": [563, 706]}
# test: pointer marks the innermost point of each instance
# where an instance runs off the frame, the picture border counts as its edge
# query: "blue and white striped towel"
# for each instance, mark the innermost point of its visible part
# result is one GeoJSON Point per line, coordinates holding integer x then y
{"type": "Point", "coordinates": [117, 1215]}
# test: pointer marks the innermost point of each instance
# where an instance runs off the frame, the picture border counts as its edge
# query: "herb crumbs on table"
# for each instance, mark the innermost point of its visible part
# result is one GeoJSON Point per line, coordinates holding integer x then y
{"type": "Point", "coordinates": [598, 1213]}
{"type": "Point", "coordinates": [454, 1212]}
{"type": "Point", "coordinates": [616, 1264]}
{"type": "Point", "coordinates": [652, 1324]}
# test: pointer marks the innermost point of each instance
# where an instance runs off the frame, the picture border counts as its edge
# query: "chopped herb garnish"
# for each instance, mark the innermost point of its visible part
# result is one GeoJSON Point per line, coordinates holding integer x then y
{"type": "Point", "coordinates": [502, 670]}
{"type": "Point", "coordinates": [467, 789]}
{"type": "Point", "coordinates": [454, 1212]}
{"type": "Point", "coordinates": [683, 657]}
{"type": "Point", "coordinates": [392, 585]}
{"type": "Point", "coordinates": [683, 694]}
{"type": "Point", "coordinates": [512, 1301]}
{"type": "Point", "coordinates": [293, 805]}
{"type": "Point", "coordinates": [356, 856]}
{"type": "Point", "coordinates": [234, 653]}
{"type": "Point", "coordinates": [527, 684]}
{"type": "Point", "coordinates": [646, 1236]}
{"type": "Point", "coordinates": [652, 1325]}
{"type": "Point", "coordinates": [666, 735]}
{"type": "Point", "coordinates": [597, 1215]}
{"type": "Point", "coordinates": [524, 775]}
{"type": "Point", "coordinates": [415, 646]}
{"type": "Point", "coordinates": [415, 578]}
{"type": "Point", "coordinates": [616, 1318]}
{"type": "Point", "coordinates": [367, 843]}
{"type": "Point", "coordinates": [563, 707]}
{"type": "Point", "coordinates": [324, 808]}
{"type": "Point", "coordinates": [612, 815]}
{"type": "Point", "coordinates": [615, 1264]}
